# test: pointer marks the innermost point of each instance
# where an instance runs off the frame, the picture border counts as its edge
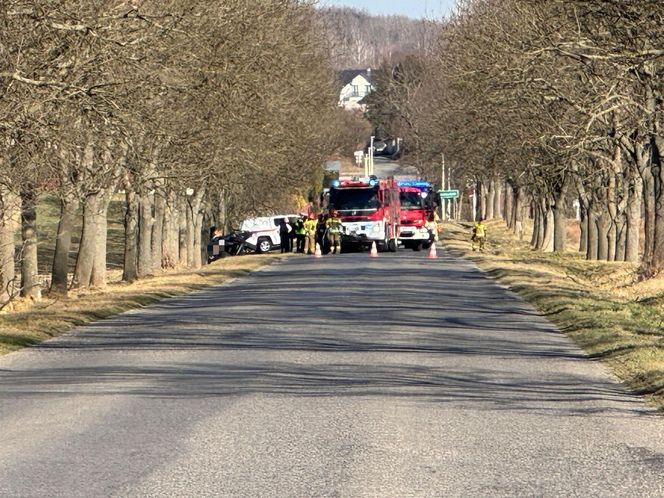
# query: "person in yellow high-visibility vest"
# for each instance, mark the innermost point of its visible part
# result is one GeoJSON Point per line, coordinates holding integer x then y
{"type": "Point", "coordinates": [479, 235]}
{"type": "Point", "coordinates": [333, 224]}
{"type": "Point", "coordinates": [310, 234]}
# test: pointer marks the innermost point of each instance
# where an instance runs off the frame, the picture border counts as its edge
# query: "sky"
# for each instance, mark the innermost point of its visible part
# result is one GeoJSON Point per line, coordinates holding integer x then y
{"type": "Point", "coordinates": [412, 8]}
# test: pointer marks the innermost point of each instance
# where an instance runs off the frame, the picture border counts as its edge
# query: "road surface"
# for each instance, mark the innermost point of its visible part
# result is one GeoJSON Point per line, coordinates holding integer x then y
{"type": "Point", "coordinates": [341, 376]}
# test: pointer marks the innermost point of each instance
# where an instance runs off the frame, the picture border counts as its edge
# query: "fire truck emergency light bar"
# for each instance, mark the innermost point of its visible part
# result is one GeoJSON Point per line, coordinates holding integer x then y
{"type": "Point", "coordinates": [355, 182]}
{"type": "Point", "coordinates": [414, 183]}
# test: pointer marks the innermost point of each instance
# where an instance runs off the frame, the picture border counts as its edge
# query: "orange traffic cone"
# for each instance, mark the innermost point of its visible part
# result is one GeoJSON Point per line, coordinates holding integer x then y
{"type": "Point", "coordinates": [317, 252]}
{"type": "Point", "coordinates": [374, 251]}
{"type": "Point", "coordinates": [432, 251]}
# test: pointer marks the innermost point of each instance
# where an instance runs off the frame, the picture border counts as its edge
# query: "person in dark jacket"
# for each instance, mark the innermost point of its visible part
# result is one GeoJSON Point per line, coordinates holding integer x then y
{"type": "Point", "coordinates": [321, 232]}
{"type": "Point", "coordinates": [284, 235]}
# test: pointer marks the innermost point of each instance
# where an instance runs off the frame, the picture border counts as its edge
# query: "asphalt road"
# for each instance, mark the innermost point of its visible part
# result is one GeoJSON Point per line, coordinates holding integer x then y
{"type": "Point", "coordinates": [341, 376]}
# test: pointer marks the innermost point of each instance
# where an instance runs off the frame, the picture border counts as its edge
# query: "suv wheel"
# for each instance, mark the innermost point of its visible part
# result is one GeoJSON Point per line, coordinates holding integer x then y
{"type": "Point", "coordinates": [264, 245]}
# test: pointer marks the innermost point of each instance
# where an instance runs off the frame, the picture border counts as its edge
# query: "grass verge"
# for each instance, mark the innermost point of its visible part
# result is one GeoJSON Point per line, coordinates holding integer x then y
{"type": "Point", "coordinates": [602, 306]}
{"type": "Point", "coordinates": [31, 323]}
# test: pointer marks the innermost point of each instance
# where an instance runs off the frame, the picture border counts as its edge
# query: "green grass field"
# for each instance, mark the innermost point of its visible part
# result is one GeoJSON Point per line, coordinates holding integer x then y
{"type": "Point", "coordinates": [48, 216]}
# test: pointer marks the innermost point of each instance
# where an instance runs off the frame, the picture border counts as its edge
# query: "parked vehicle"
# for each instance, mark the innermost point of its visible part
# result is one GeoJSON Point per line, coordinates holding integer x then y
{"type": "Point", "coordinates": [369, 210]}
{"type": "Point", "coordinates": [417, 205]}
{"type": "Point", "coordinates": [227, 245]}
{"type": "Point", "coordinates": [264, 231]}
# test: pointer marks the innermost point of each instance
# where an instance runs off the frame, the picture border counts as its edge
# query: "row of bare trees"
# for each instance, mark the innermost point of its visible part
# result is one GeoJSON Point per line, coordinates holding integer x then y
{"type": "Point", "coordinates": [362, 40]}
{"type": "Point", "coordinates": [544, 104]}
{"type": "Point", "coordinates": [196, 110]}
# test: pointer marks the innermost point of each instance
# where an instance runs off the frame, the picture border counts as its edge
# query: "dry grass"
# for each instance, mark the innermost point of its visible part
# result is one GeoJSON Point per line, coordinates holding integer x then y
{"type": "Point", "coordinates": [602, 306]}
{"type": "Point", "coordinates": [30, 323]}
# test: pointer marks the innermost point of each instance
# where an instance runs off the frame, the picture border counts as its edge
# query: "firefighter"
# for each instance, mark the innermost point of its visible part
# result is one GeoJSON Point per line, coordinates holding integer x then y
{"type": "Point", "coordinates": [333, 225]}
{"type": "Point", "coordinates": [479, 235]}
{"type": "Point", "coordinates": [310, 234]}
{"type": "Point", "coordinates": [432, 226]}
{"type": "Point", "coordinates": [299, 234]}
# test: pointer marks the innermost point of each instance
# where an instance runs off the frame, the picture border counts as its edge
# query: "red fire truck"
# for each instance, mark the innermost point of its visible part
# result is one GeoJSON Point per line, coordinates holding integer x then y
{"type": "Point", "coordinates": [417, 204]}
{"type": "Point", "coordinates": [369, 210]}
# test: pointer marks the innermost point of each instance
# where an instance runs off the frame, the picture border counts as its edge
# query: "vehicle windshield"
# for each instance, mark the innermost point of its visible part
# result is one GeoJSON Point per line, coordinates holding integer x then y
{"type": "Point", "coordinates": [354, 199]}
{"type": "Point", "coordinates": [411, 200]}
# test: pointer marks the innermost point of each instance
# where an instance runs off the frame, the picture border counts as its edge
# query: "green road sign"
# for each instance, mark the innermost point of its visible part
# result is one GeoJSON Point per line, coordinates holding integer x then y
{"type": "Point", "coordinates": [448, 194]}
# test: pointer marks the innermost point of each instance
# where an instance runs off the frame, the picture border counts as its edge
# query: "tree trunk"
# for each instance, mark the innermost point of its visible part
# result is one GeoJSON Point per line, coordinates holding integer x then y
{"type": "Point", "coordinates": [91, 260]}
{"type": "Point", "coordinates": [603, 225]}
{"type": "Point", "coordinates": [559, 229]}
{"type": "Point", "coordinates": [145, 224]}
{"type": "Point", "coordinates": [549, 226]}
{"type": "Point", "coordinates": [583, 226]}
{"type": "Point", "coordinates": [490, 200]}
{"type": "Point", "coordinates": [612, 213]}
{"type": "Point", "coordinates": [170, 243]}
{"type": "Point", "coordinates": [509, 206]}
{"type": "Point", "coordinates": [194, 226]}
{"type": "Point", "coordinates": [649, 216]}
{"type": "Point", "coordinates": [657, 261]}
{"type": "Point", "coordinates": [593, 236]}
{"type": "Point", "coordinates": [483, 201]}
{"type": "Point", "coordinates": [99, 264]}
{"type": "Point", "coordinates": [221, 212]}
{"type": "Point", "coordinates": [30, 286]}
{"type": "Point", "coordinates": [158, 230]}
{"type": "Point", "coordinates": [10, 215]}
{"type": "Point", "coordinates": [130, 267]}
{"type": "Point", "coordinates": [86, 248]}
{"type": "Point", "coordinates": [60, 271]}
{"type": "Point", "coordinates": [534, 242]}
{"type": "Point", "coordinates": [520, 212]}
{"type": "Point", "coordinates": [497, 198]}
{"type": "Point", "coordinates": [621, 237]}
{"type": "Point", "coordinates": [198, 241]}
{"type": "Point", "coordinates": [633, 213]}
{"type": "Point", "coordinates": [182, 235]}
{"type": "Point", "coordinates": [611, 239]}
{"type": "Point", "coordinates": [559, 218]}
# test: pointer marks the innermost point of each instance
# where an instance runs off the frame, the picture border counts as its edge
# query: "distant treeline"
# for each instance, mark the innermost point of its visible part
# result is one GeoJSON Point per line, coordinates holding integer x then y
{"type": "Point", "coordinates": [363, 40]}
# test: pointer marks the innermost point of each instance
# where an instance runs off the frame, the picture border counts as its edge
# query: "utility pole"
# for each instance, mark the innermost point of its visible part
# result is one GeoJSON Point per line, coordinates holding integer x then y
{"type": "Point", "coordinates": [443, 202]}
{"type": "Point", "coordinates": [449, 187]}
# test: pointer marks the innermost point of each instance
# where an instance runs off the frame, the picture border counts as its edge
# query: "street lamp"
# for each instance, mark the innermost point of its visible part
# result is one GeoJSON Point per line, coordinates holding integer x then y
{"type": "Point", "coordinates": [371, 156]}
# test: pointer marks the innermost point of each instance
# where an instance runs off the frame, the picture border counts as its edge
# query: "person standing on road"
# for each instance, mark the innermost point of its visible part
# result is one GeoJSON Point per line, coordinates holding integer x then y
{"type": "Point", "coordinates": [334, 231]}
{"type": "Point", "coordinates": [321, 231]}
{"type": "Point", "coordinates": [432, 226]}
{"type": "Point", "coordinates": [299, 234]}
{"type": "Point", "coordinates": [310, 234]}
{"type": "Point", "coordinates": [479, 235]}
{"type": "Point", "coordinates": [284, 235]}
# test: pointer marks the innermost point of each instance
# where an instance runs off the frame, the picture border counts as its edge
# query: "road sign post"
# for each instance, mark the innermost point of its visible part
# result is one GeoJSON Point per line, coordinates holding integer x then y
{"type": "Point", "coordinates": [449, 194]}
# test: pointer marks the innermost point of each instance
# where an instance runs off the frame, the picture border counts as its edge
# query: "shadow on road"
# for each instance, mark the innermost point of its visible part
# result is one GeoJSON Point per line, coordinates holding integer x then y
{"type": "Point", "coordinates": [431, 331]}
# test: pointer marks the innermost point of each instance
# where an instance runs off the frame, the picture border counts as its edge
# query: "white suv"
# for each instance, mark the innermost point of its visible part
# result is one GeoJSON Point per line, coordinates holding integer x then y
{"type": "Point", "coordinates": [265, 231]}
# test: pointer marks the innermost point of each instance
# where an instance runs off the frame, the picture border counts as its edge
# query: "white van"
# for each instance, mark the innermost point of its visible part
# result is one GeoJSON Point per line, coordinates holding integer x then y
{"type": "Point", "coordinates": [265, 231]}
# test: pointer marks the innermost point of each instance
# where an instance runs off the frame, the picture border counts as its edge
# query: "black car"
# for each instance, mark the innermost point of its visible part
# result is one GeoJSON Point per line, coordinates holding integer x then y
{"type": "Point", "coordinates": [228, 245]}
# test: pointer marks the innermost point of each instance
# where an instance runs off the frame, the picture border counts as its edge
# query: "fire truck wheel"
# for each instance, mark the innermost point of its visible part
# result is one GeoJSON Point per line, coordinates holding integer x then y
{"type": "Point", "coordinates": [264, 245]}
{"type": "Point", "coordinates": [392, 245]}
{"type": "Point", "coordinates": [417, 246]}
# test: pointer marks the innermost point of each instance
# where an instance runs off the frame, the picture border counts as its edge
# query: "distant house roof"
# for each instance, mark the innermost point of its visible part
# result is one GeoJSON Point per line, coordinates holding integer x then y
{"type": "Point", "coordinates": [347, 75]}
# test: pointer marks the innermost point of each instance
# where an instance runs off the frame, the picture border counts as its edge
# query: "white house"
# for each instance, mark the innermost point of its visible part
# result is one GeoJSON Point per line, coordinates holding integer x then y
{"type": "Point", "coordinates": [357, 85]}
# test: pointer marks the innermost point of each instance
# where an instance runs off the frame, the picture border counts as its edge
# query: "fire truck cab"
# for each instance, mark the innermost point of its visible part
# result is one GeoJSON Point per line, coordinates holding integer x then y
{"type": "Point", "coordinates": [417, 204]}
{"type": "Point", "coordinates": [369, 210]}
